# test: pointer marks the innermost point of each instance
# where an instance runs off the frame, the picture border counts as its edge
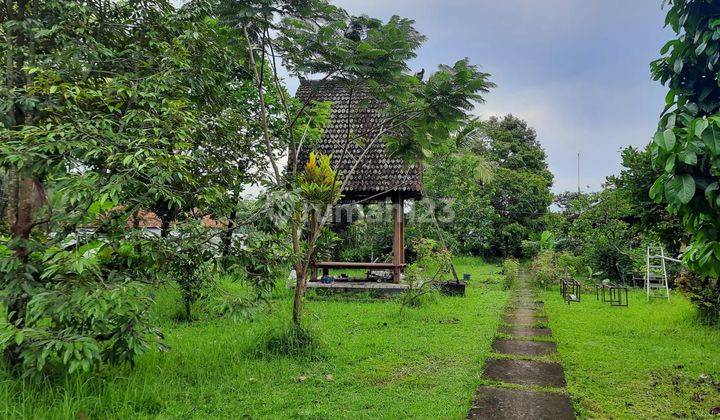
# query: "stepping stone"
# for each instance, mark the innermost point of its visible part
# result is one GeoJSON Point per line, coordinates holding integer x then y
{"type": "Point", "coordinates": [527, 305]}
{"type": "Point", "coordinates": [523, 347]}
{"type": "Point", "coordinates": [502, 403]}
{"type": "Point", "coordinates": [524, 320]}
{"type": "Point", "coordinates": [525, 331]}
{"type": "Point", "coordinates": [526, 312]}
{"type": "Point", "coordinates": [525, 372]}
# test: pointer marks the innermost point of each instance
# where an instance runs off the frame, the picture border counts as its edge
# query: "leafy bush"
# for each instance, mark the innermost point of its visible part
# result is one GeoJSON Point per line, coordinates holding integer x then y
{"type": "Point", "coordinates": [569, 263]}
{"type": "Point", "coordinates": [703, 292]}
{"type": "Point", "coordinates": [431, 265]}
{"type": "Point", "coordinates": [530, 248]}
{"type": "Point", "coordinates": [548, 267]}
{"type": "Point", "coordinates": [87, 306]}
{"type": "Point", "coordinates": [547, 241]}
{"type": "Point", "coordinates": [544, 269]}
{"type": "Point", "coordinates": [511, 271]}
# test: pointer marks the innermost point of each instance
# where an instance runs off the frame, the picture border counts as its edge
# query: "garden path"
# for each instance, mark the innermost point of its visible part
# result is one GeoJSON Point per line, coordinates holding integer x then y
{"type": "Point", "coordinates": [525, 383]}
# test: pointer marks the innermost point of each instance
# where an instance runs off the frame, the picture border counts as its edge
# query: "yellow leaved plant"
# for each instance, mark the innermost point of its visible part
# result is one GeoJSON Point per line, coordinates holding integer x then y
{"type": "Point", "coordinates": [318, 183]}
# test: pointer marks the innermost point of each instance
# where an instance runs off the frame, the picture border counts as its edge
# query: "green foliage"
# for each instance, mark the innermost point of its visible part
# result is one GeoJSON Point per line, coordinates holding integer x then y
{"type": "Point", "coordinates": [687, 143]}
{"type": "Point", "coordinates": [103, 121]}
{"type": "Point", "coordinates": [505, 200]}
{"type": "Point", "coordinates": [544, 269]}
{"type": "Point", "coordinates": [511, 143]}
{"type": "Point", "coordinates": [530, 248]}
{"type": "Point", "coordinates": [704, 292]}
{"type": "Point", "coordinates": [547, 241]}
{"type": "Point", "coordinates": [548, 267]}
{"type": "Point", "coordinates": [648, 217]}
{"type": "Point", "coordinates": [511, 271]}
{"type": "Point", "coordinates": [85, 307]}
{"type": "Point", "coordinates": [601, 228]}
{"type": "Point", "coordinates": [569, 264]}
{"type": "Point", "coordinates": [190, 263]}
{"type": "Point", "coordinates": [432, 263]}
{"type": "Point", "coordinates": [467, 204]}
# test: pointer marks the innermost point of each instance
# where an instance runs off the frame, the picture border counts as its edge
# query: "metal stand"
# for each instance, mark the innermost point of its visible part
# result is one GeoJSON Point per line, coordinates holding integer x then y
{"type": "Point", "coordinates": [570, 290]}
{"type": "Point", "coordinates": [614, 294]}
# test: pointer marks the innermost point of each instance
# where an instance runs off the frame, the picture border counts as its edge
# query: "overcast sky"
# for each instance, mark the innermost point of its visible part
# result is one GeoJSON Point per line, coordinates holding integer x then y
{"type": "Point", "coordinates": [576, 70]}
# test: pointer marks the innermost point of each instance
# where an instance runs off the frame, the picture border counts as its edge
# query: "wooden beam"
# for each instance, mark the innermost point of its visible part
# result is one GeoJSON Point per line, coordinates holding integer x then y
{"type": "Point", "coordinates": [398, 236]}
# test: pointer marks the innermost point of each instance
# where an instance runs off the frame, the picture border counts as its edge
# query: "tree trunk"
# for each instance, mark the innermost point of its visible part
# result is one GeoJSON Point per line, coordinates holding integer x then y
{"type": "Point", "coordinates": [300, 281]}
{"type": "Point", "coordinates": [26, 195]}
{"type": "Point", "coordinates": [164, 227]}
{"type": "Point", "coordinates": [186, 301]}
{"type": "Point", "coordinates": [227, 238]}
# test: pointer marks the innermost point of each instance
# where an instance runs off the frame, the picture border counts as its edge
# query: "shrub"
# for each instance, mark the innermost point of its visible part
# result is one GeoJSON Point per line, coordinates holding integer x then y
{"type": "Point", "coordinates": [530, 248]}
{"type": "Point", "coordinates": [544, 269]}
{"type": "Point", "coordinates": [703, 292]}
{"type": "Point", "coordinates": [569, 263]}
{"type": "Point", "coordinates": [431, 265]}
{"type": "Point", "coordinates": [549, 266]}
{"type": "Point", "coordinates": [511, 271]}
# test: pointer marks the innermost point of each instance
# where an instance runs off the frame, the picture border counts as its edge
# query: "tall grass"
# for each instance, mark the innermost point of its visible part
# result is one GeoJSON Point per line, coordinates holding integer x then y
{"type": "Point", "coordinates": [424, 364]}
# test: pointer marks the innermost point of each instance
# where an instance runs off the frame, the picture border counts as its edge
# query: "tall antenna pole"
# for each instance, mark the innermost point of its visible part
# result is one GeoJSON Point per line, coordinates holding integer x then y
{"type": "Point", "coordinates": [578, 178]}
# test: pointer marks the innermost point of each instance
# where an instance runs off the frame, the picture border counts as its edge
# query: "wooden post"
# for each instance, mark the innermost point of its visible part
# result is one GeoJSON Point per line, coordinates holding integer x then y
{"type": "Point", "coordinates": [398, 236]}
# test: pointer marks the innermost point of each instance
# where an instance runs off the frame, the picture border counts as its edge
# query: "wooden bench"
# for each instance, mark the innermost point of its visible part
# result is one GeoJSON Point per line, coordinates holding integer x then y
{"type": "Point", "coordinates": [327, 265]}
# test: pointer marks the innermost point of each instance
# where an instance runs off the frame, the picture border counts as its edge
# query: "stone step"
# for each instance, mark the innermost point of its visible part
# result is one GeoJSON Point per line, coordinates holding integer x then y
{"type": "Point", "coordinates": [525, 331]}
{"type": "Point", "coordinates": [526, 312]}
{"type": "Point", "coordinates": [503, 403]}
{"type": "Point", "coordinates": [524, 320]}
{"type": "Point", "coordinates": [523, 347]}
{"type": "Point", "coordinates": [525, 372]}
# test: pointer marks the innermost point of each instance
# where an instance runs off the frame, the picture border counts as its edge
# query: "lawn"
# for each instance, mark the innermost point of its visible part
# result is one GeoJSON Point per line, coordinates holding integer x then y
{"type": "Point", "coordinates": [422, 363]}
{"type": "Point", "coordinates": [646, 360]}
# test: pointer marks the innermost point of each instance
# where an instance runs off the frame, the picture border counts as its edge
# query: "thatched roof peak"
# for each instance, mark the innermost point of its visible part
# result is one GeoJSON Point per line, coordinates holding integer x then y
{"type": "Point", "coordinates": [378, 175]}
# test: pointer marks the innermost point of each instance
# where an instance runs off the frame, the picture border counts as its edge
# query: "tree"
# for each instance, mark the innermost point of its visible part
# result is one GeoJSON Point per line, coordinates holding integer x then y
{"type": "Point", "coordinates": [686, 145]}
{"type": "Point", "coordinates": [446, 178]}
{"type": "Point", "coordinates": [511, 143]}
{"type": "Point", "coordinates": [521, 199]}
{"type": "Point", "coordinates": [112, 108]}
{"type": "Point", "coordinates": [316, 38]}
{"type": "Point", "coordinates": [508, 195]}
{"type": "Point", "coordinates": [649, 217]}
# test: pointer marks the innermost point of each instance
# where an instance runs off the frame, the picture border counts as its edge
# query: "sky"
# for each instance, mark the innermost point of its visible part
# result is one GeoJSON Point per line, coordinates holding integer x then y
{"type": "Point", "coordinates": [577, 70]}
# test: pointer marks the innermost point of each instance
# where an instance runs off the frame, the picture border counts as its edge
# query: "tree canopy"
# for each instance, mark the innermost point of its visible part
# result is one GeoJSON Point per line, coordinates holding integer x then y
{"type": "Point", "coordinates": [686, 146]}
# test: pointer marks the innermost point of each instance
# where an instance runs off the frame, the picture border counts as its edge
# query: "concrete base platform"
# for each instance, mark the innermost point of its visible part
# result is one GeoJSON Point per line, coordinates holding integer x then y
{"type": "Point", "coordinates": [374, 288]}
{"type": "Point", "coordinates": [502, 403]}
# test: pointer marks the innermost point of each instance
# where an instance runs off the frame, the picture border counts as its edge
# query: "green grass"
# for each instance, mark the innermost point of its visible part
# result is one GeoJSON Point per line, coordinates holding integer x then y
{"type": "Point", "coordinates": [423, 363]}
{"type": "Point", "coordinates": [643, 361]}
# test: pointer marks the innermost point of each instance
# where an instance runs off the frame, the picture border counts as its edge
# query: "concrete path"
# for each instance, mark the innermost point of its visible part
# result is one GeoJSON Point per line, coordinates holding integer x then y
{"type": "Point", "coordinates": [528, 385]}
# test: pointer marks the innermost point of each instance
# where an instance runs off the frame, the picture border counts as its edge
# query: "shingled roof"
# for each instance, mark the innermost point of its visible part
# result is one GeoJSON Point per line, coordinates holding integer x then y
{"type": "Point", "coordinates": [378, 175]}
